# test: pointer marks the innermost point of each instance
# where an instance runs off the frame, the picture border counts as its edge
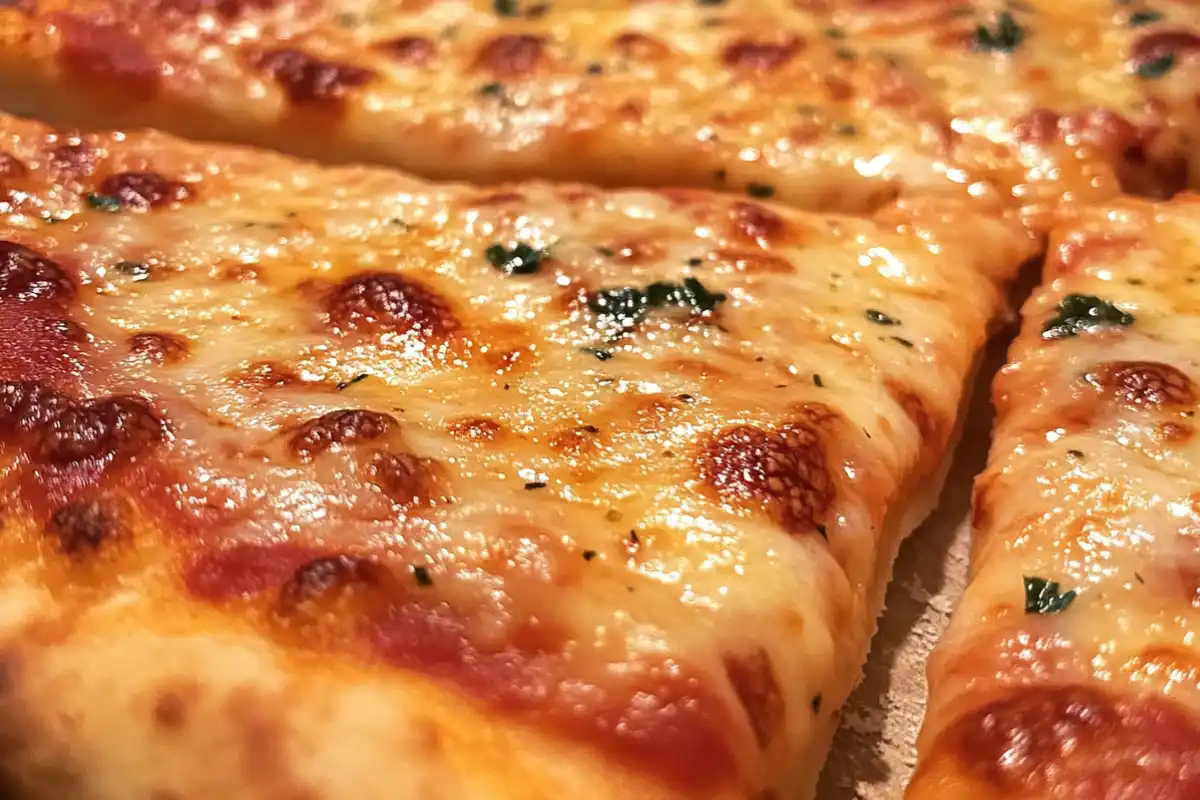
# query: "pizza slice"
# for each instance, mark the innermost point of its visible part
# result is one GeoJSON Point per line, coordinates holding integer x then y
{"type": "Point", "coordinates": [326, 482]}
{"type": "Point", "coordinates": [825, 105]}
{"type": "Point", "coordinates": [1070, 668]}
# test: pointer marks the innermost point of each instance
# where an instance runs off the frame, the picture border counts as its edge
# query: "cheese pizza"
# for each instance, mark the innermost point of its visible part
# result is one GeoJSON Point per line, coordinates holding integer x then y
{"type": "Point", "coordinates": [1070, 669]}
{"type": "Point", "coordinates": [326, 482]}
{"type": "Point", "coordinates": [837, 105]}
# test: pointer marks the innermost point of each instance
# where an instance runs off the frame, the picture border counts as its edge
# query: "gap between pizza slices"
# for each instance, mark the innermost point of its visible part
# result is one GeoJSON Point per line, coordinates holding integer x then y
{"type": "Point", "coordinates": [831, 105]}
{"type": "Point", "coordinates": [324, 482]}
{"type": "Point", "coordinates": [1070, 669]}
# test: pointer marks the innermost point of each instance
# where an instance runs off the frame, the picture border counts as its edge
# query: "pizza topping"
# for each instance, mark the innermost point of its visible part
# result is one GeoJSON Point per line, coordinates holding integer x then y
{"type": "Point", "coordinates": [409, 481]}
{"type": "Point", "coordinates": [520, 259]}
{"type": "Point", "coordinates": [26, 275]}
{"type": "Point", "coordinates": [1144, 17]}
{"type": "Point", "coordinates": [103, 202]}
{"type": "Point", "coordinates": [511, 56]}
{"type": "Point", "coordinates": [161, 348]}
{"type": "Point", "coordinates": [310, 81]}
{"type": "Point", "coordinates": [1005, 37]}
{"type": "Point", "coordinates": [1042, 596]}
{"type": "Point", "coordinates": [622, 309]}
{"type": "Point", "coordinates": [760, 190]}
{"type": "Point", "coordinates": [83, 525]}
{"type": "Point", "coordinates": [1145, 383]}
{"type": "Point", "coordinates": [101, 429]}
{"type": "Point", "coordinates": [784, 471]}
{"type": "Point", "coordinates": [384, 302]}
{"type": "Point", "coordinates": [319, 581]}
{"type": "Point", "coordinates": [880, 318]}
{"type": "Point", "coordinates": [1156, 53]}
{"type": "Point", "coordinates": [755, 56]}
{"type": "Point", "coordinates": [505, 8]}
{"type": "Point", "coordinates": [1078, 742]}
{"type": "Point", "coordinates": [414, 51]}
{"type": "Point", "coordinates": [108, 53]}
{"type": "Point", "coordinates": [338, 429]}
{"type": "Point", "coordinates": [142, 191]}
{"type": "Point", "coordinates": [756, 687]}
{"type": "Point", "coordinates": [1084, 312]}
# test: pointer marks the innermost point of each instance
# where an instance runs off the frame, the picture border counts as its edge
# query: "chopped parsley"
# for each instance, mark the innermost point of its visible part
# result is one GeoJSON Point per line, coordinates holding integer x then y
{"type": "Point", "coordinates": [1074, 455]}
{"type": "Point", "coordinates": [1042, 597]}
{"type": "Point", "coordinates": [627, 306]}
{"type": "Point", "coordinates": [505, 8]}
{"type": "Point", "coordinates": [521, 259]}
{"type": "Point", "coordinates": [710, 2]}
{"type": "Point", "coordinates": [136, 270]}
{"type": "Point", "coordinates": [695, 261]}
{"type": "Point", "coordinates": [600, 354]}
{"type": "Point", "coordinates": [422, 576]}
{"type": "Point", "coordinates": [835, 33]}
{"type": "Point", "coordinates": [362, 376]}
{"type": "Point", "coordinates": [1005, 37]}
{"type": "Point", "coordinates": [900, 340]}
{"type": "Point", "coordinates": [1144, 17]}
{"type": "Point", "coordinates": [103, 202]}
{"type": "Point", "coordinates": [595, 68]}
{"type": "Point", "coordinates": [535, 485]}
{"type": "Point", "coordinates": [816, 704]}
{"type": "Point", "coordinates": [1083, 312]}
{"type": "Point", "coordinates": [588, 555]}
{"type": "Point", "coordinates": [760, 190]}
{"type": "Point", "coordinates": [492, 89]}
{"type": "Point", "coordinates": [817, 382]}
{"type": "Point", "coordinates": [845, 129]}
{"type": "Point", "coordinates": [1156, 67]}
{"type": "Point", "coordinates": [880, 318]}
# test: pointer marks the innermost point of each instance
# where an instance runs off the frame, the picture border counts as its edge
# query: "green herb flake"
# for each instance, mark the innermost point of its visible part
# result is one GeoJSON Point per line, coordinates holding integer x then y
{"type": "Point", "coordinates": [588, 555]}
{"type": "Point", "coordinates": [627, 306]}
{"type": "Point", "coordinates": [1074, 455]}
{"type": "Point", "coordinates": [1156, 67]}
{"type": "Point", "coordinates": [103, 202]}
{"type": "Point", "coordinates": [505, 8]}
{"type": "Point", "coordinates": [1083, 312]}
{"type": "Point", "coordinates": [900, 340]}
{"type": "Point", "coordinates": [817, 382]}
{"type": "Point", "coordinates": [835, 33]}
{"type": "Point", "coordinates": [359, 378]}
{"type": "Point", "coordinates": [710, 2]}
{"type": "Point", "coordinates": [1005, 37]}
{"type": "Point", "coordinates": [422, 576]}
{"type": "Point", "coordinates": [492, 89]}
{"type": "Point", "coordinates": [760, 190]}
{"type": "Point", "coordinates": [845, 129]}
{"type": "Point", "coordinates": [531, 485]}
{"type": "Point", "coordinates": [521, 259]}
{"type": "Point", "coordinates": [1042, 597]}
{"type": "Point", "coordinates": [600, 354]}
{"type": "Point", "coordinates": [1144, 17]}
{"type": "Point", "coordinates": [880, 318]}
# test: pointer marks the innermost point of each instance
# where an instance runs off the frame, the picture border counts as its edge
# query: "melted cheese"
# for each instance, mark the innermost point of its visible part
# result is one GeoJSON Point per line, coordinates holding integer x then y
{"type": "Point", "coordinates": [1091, 485]}
{"type": "Point", "coordinates": [286, 410]}
{"type": "Point", "coordinates": [830, 105]}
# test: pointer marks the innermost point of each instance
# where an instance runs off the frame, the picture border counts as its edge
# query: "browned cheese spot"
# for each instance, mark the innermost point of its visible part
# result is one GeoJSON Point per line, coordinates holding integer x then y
{"type": "Point", "coordinates": [160, 348]}
{"type": "Point", "coordinates": [308, 81]}
{"type": "Point", "coordinates": [108, 428]}
{"type": "Point", "coordinates": [382, 302]}
{"type": "Point", "coordinates": [511, 56]}
{"type": "Point", "coordinates": [26, 275]}
{"type": "Point", "coordinates": [83, 525]}
{"type": "Point", "coordinates": [413, 51]}
{"type": "Point", "coordinates": [410, 481]}
{"type": "Point", "coordinates": [338, 429]}
{"type": "Point", "coordinates": [640, 47]}
{"type": "Point", "coordinates": [1148, 384]}
{"type": "Point", "coordinates": [142, 191]}
{"type": "Point", "coordinates": [753, 223]}
{"type": "Point", "coordinates": [754, 683]}
{"type": "Point", "coordinates": [747, 55]}
{"type": "Point", "coordinates": [931, 426]}
{"type": "Point", "coordinates": [783, 471]}
{"type": "Point", "coordinates": [265, 375]}
{"type": "Point", "coordinates": [318, 586]}
{"type": "Point", "coordinates": [1080, 742]}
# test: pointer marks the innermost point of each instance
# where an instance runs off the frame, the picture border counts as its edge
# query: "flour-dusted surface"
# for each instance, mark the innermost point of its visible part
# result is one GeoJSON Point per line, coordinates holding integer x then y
{"type": "Point", "coordinates": [875, 747]}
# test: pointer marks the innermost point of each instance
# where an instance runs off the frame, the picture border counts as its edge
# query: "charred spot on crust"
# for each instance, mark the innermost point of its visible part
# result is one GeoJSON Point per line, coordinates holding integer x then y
{"type": "Point", "coordinates": [113, 427]}
{"type": "Point", "coordinates": [754, 56]}
{"type": "Point", "coordinates": [338, 429]}
{"type": "Point", "coordinates": [1078, 739]}
{"type": "Point", "coordinates": [162, 348]}
{"type": "Point", "coordinates": [83, 525]}
{"type": "Point", "coordinates": [142, 191]}
{"type": "Point", "coordinates": [784, 471]}
{"type": "Point", "coordinates": [511, 56]}
{"type": "Point", "coordinates": [27, 275]}
{"type": "Point", "coordinates": [322, 579]}
{"type": "Point", "coordinates": [382, 302]}
{"type": "Point", "coordinates": [754, 683]}
{"type": "Point", "coordinates": [311, 81]}
{"type": "Point", "coordinates": [408, 480]}
{"type": "Point", "coordinates": [1149, 384]}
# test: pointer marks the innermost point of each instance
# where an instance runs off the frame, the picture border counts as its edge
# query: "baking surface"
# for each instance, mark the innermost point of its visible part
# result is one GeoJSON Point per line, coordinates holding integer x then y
{"type": "Point", "coordinates": [875, 747]}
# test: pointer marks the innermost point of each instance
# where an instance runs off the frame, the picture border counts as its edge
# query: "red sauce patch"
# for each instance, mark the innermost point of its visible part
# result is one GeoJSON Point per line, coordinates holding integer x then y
{"type": "Point", "coordinates": [26, 275]}
{"type": "Point", "coordinates": [753, 223]}
{"type": "Point", "coordinates": [142, 191]}
{"type": "Point", "coordinates": [754, 56]}
{"type": "Point", "coordinates": [1144, 383]}
{"type": "Point", "coordinates": [160, 348]}
{"type": "Point", "coordinates": [1079, 743]}
{"type": "Point", "coordinates": [413, 51]}
{"type": "Point", "coordinates": [511, 56]}
{"type": "Point", "coordinates": [641, 47]}
{"type": "Point", "coordinates": [784, 471]}
{"type": "Point", "coordinates": [1082, 248]}
{"type": "Point", "coordinates": [244, 570]}
{"type": "Point", "coordinates": [36, 343]}
{"type": "Point", "coordinates": [383, 302]}
{"type": "Point", "coordinates": [108, 53]}
{"type": "Point", "coordinates": [310, 81]}
{"type": "Point", "coordinates": [754, 683]}
{"type": "Point", "coordinates": [338, 429]}
{"type": "Point", "coordinates": [1162, 44]}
